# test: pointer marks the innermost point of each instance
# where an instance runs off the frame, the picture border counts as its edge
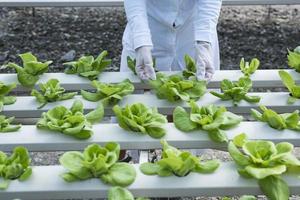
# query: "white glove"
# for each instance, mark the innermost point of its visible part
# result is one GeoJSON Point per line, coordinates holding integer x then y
{"type": "Point", "coordinates": [204, 64]}
{"type": "Point", "coordinates": [144, 63]}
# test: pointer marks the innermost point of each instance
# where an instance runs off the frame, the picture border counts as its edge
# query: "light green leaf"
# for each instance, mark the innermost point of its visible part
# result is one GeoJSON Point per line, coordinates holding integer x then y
{"type": "Point", "coordinates": [260, 173]}
{"type": "Point", "coordinates": [96, 115]}
{"type": "Point", "coordinates": [119, 193]}
{"type": "Point", "coordinates": [240, 140]}
{"type": "Point", "coordinates": [149, 168]}
{"type": "Point", "coordinates": [275, 188]}
{"type": "Point", "coordinates": [121, 174]}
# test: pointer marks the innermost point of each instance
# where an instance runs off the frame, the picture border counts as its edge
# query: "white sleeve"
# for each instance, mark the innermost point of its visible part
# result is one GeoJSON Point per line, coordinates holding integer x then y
{"type": "Point", "coordinates": [206, 20]}
{"type": "Point", "coordinates": [136, 13]}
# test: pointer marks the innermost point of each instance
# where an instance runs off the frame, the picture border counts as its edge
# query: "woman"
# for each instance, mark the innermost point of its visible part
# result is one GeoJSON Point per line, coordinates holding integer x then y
{"type": "Point", "coordinates": [169, 29]}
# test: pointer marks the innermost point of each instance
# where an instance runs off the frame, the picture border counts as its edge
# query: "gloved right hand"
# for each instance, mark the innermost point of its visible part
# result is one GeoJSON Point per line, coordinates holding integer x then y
{"type": "Point", "coordinates": [144, 63]}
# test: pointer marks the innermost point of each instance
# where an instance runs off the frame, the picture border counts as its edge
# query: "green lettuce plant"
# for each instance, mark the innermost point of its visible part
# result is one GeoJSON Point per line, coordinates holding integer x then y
{"type": "Point", "coordinates": [264, 161]}
{"type": "Point", "coordinates": [139, 118]}
{"type": "Point", "coordinates": [236, 91]}
{"type": "Point", "coordinates": [30, 73]}
{"type": "Point", "coordinates": [178, 163]}
{"type": "Point", "coordinates": [120, 193]}
{"type": "Point", "coordinates": [212, 119]}
{"type": "Point", "coordinates": [294, 59]}
{"type": "Point", "coordinates": [132, 62]}
{"type": "Point", "coordinates": [176, 88]}
{"type": "Point", "coordinates": [5, 125]}
{"type": "Point", "coordinates": [290, 84]}
{"type": "Point", "coordinates": [88, 66]}
{"type": "Point", "coordinates": [278, 121]}
{"type": "Point", "coordinates": [244, 197]}
{"type": "Point", "coordinates": [71, 121]}
{"type": "Point", "coordinates": [190, 67]}
{"type": "Point", "coordinates": [4, 98]}
{"type": "Point", "coordinates": [98, 162]}
{"type": "Point", "coordinates": [249, 68]}
{"type": "Point", "coordinates": [51, 92]}
{"type": "Point", "coordinates": [14, 167]}
{"type": "Point", "coordinates": [109, 94]}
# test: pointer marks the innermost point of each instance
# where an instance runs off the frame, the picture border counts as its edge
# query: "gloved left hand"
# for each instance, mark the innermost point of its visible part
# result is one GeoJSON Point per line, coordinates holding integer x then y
{"type": "Point", "coordinates": [204, 64]}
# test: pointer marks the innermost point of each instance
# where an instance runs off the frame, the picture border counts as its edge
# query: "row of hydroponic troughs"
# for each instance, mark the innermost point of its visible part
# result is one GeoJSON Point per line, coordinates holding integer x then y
{"type": "Point", "coordinates": [262, 160]}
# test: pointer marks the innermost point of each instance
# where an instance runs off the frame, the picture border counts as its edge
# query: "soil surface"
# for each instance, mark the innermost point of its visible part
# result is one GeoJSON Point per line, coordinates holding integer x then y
{"type": "Point", "coordinates": [61, 34]}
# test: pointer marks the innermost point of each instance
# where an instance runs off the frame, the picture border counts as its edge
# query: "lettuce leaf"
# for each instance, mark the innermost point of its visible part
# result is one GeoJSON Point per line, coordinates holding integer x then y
{"type": "Point", "coordinates": [71, 121]}
{"type": "Point", "coordinates": [16, 166]}
{"type": "Point", "coordinates": [98, 162]}
{"type": "Point", "coordinates": [88, 66]}
{"type": "Point", "coordinates": [5, 125]}
{"type": "Point", "coordinates": [190, 67]}
{"type": "Point", "coordinates": [290, 84]}
{"type": "Point", "coordinates": [4, 98]}
{"type": "Point", "coordinates": [265, 161]}
{"type": "Point", "coordinates": [51, 92]}
{"type": "Point", "coordinates": [236, 91]}
{"type": "Point", "coordinates": [108, 94]}
{"type": "Point", "coordinates": [294, 59]}
{"type": "Point", "coordinates": [30, 73]}
{"type": "Point", "coordinates": [249, 68]}
{"type": "Point", "coordinates": [212, 119]}
{"type": "Point", "coordinates": [278, 121]}
{"type": "Point", "coordinates": [178, 163]}
{"type": "Point", "coordinates": [176, 88]}
{"type": "Point", "coordinates": [138, 118]}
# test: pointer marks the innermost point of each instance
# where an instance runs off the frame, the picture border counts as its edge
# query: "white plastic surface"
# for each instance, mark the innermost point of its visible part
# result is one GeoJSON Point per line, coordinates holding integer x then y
{"type": "Point", "coordinates": [26, 106]}
{"type": "Point", "coordinates": [43, 140]}
{"type": "Point", "coordinates": [45, 183]}
{"type": "Point", "coordinates": [261, 79]}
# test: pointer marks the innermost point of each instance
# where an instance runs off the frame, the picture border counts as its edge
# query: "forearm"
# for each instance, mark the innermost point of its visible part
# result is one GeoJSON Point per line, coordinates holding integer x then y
{"type": "Point", "coordinates": [206, 19]}
{"type": "Point", "coordinates": [136, 13]}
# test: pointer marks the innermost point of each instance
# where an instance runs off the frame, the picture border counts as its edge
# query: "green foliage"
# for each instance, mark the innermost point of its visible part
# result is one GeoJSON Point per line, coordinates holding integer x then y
{"type": "Point", "coordinates": [265, 161]}
{"type": "Point", "coordinates": [294, 59]}
{"type": "Point", "coordinates": [119, 193]}
{"type": "Point", "coordinates": [5, 125]}
{"type": "Point", "coordinates": [4, 98]}
{"type": "Point", "coordinates": [212, 119]}
{"type": "Point", "coordinates": [278, 121]}
{"type": "Point", "coordinates": [244, 197]}
{"type": "Point", "coordinates": [138, 118]}
{"type": "Point", "coordinates": [248, 197]}
{"type": "Point", "coordinates": [249, 68]}
{"type": "Point", "coordinates": [71, 121]}
{"type": "Point", "coordinates": [88, 66]}
{"type": "Point", "coordinates": [109, 94]}
{"type": "Point", "coordinates": [98, 162]}
{"type": "Point", "coordinates": [178, 163]}
{"type": "Point", "coordinates": [16, 166]}
{"type": "Point", "coordinates": [30, 73]}
{"type": "Point", "coordinates": [51, 92]}
{"type": "Point", "coordinates": [190, 67]}
{"type": "Point", "coordinates": [132, 62]}
{"type": "Point", "coordinates": [175, 87]}
{"type": "Point", "coordinates": [236, 91]}
{"type": "Point", "coordinates": [290, 84]}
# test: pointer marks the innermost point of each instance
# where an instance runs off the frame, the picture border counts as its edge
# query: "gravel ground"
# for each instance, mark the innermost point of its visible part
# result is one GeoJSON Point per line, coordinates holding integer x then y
{"type": "Point", "coordinates": [56, 34]}
{"type": "Point", "coordinates": [51, 33]}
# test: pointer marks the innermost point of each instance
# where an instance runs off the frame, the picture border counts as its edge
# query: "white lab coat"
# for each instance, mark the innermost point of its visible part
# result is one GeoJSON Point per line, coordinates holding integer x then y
{"type": "Point", "coordinates": [172, 28]}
